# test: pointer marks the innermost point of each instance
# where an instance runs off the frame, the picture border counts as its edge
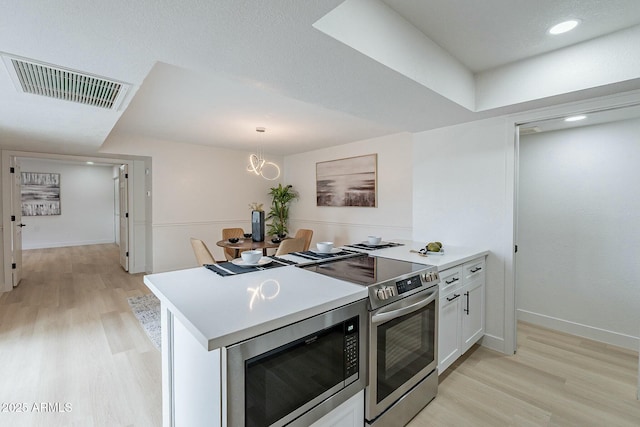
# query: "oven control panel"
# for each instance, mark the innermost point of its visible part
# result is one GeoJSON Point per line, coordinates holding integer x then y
{"type": "Point", "coordinates": [409, 284]}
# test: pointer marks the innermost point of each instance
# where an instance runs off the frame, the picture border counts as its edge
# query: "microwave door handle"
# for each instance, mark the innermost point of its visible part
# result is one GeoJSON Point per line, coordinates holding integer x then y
{"type": "Point", "coordinates": [383, 317]}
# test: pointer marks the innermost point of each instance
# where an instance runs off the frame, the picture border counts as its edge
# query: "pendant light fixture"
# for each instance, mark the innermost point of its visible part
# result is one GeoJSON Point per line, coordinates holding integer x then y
{"type": "Point", "coordinates": [258, 164]}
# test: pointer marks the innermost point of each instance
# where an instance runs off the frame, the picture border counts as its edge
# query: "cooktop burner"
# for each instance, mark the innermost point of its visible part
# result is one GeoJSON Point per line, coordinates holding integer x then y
{"type": "Point", "coordinates": [366, 270]}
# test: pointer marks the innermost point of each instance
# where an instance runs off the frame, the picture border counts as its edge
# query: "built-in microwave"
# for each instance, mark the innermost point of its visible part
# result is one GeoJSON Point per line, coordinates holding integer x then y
{"type": "Point", "coordinates": [296, 374]}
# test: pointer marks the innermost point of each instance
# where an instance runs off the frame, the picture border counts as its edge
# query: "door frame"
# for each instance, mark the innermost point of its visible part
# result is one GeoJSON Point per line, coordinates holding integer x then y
{"type": "Point", "coordinates": [626, 99]}
{"type": "Point", "coordinates": [7, 155]}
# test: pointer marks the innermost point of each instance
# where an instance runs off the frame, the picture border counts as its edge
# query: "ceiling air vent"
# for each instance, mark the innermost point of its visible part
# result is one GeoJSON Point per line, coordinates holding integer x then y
{"type": "Point", "coordinates": [56, 82]}
{"type": "Point", "coordinates": [529, 130]}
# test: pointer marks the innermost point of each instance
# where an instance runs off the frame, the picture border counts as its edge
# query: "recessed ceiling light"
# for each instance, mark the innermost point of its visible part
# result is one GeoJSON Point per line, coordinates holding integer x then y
{"type": "Point", "coordinates": [89, 163]}
{"type": "Point", "coordinates": [563, 27]}
{"type": "Point", "coordinates": [574, 118]}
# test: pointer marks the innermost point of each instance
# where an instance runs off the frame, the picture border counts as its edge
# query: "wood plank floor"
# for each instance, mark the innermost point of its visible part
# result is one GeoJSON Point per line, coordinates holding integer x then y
{"type": "Point", "coordinates": [67, 336]}
{"type": "Point", "coordinates": [554, 379]}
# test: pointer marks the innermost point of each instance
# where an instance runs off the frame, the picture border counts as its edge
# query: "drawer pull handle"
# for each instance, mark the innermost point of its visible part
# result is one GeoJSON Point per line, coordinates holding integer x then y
{"type": "Point", "coordinates": [448, 282]}
{"type": "Point", "coordinates": [466, 294]}
{"type": "Point", "coordinates": [474, 270]}
{"type": "Point", "coordinates": [454, 297]}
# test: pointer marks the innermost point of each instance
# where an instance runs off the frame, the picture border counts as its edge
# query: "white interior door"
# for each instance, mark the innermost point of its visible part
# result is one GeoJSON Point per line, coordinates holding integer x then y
{"type": "Point", "coordinates": [16, 223]}
{"type": "Point", "coordinates": [123, 179]}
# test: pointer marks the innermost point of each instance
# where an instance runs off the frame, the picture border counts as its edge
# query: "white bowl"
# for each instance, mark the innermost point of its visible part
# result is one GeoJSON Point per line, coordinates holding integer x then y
{"type": "Point", "coordinates": [251, 257]}
{"type": "Point", "coordinates": [374, 240]}
{"type": "Point", "coordinates": [324, 247]}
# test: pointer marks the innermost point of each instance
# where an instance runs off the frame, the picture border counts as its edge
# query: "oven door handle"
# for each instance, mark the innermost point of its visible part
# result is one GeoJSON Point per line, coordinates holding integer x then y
{"type": "Point", "coordinates": [388, 315]}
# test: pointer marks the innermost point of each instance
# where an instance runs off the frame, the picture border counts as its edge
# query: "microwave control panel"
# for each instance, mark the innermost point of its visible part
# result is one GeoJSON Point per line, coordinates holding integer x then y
{"type": "Point", "coordinates": [351, 347]}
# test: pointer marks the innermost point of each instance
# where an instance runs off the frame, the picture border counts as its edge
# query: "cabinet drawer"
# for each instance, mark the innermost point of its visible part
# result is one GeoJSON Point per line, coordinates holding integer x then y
{"type": "Point", "coordinates": [474, 270]}
{"type": "Point", "coordinates": [450, 280]}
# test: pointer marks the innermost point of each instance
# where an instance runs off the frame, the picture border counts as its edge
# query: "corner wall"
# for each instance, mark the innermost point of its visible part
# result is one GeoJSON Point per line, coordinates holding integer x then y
{"type": "Point", "coordinates": [460, 198]}
{"type": "Point", "coordinates": [196, 191]}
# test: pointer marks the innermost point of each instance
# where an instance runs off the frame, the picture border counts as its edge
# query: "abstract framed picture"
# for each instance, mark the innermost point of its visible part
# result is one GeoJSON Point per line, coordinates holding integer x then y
{"type": "Point", "coordinates": [347, 182]}
{"type": "Point", "coordinates": [40, 193]}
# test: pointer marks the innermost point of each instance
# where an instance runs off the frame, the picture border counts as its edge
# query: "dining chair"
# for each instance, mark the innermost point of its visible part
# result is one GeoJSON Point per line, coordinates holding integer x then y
{"type": "Point", "coordinates": [202, 252]}
{"type": "Point", "coordinates": [307, 235]}
{"type": "Point", "coordinates": [230, 253]}
{"type": "Point", "coordinates": [291, 245]}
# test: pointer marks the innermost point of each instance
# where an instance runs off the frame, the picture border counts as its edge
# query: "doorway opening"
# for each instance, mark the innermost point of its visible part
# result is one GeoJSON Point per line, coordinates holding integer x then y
{"type": "Point", "coordinates": [84, 192]}
{"type": "Point", "coordinates": [577, 225]}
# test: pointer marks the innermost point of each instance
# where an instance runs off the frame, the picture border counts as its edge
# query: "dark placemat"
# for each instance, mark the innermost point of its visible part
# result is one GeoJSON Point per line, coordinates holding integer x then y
{"type": "Point", "coordinates": [230, 269]}
{"type": "Point", "coordinates": [374, 247]}
{"type": "Point", "coordinates": [316, 256]}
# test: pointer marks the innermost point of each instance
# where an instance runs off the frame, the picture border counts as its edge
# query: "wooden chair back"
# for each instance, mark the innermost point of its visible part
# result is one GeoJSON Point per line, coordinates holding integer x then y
{"type": "Point", "coordinates": [290, 245]}
{"type": "Point", "coordinates": [229, 253]}
{"type": "Point", "coordinates": [306, 235]}
{"type": "Point", "coordinates": [202, 252]}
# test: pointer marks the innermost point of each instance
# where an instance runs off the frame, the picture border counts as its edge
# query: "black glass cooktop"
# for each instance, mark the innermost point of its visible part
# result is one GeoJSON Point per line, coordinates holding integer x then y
{"type": "Point", "coordinates": [366, 270]}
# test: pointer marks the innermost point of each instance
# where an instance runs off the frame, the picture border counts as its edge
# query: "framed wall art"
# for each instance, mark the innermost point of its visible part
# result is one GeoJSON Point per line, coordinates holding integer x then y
{"type": "Point", "coordinates": [347, 182]}
{"type": "Point", "coordinates": [40, 193]}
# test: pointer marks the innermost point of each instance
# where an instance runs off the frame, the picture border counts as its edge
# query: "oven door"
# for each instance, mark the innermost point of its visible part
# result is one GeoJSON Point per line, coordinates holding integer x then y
{"type": "Point", "coordinates": [297, 373]}
{"type": "Point", "coordinates": [403, 348]}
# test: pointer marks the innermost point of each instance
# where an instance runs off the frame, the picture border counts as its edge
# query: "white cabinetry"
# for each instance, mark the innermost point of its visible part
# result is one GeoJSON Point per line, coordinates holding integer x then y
{"type": "Point", "coordinates": [449, 318]}
{"type": "Point", "coordinates": [472, 302]}
{"type": "Point", "coordinates": [349, 414]}
{"type": "Point", "coordinates": [461, 316]}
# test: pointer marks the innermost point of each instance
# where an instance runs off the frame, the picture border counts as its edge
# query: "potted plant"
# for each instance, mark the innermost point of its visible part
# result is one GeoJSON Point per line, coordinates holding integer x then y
{"type": "Point", "coordinates": [281, 198]}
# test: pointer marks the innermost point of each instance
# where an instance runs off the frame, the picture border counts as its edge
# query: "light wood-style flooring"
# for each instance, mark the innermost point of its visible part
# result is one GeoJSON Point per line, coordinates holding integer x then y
{"type": "Point", "coordinates": [554, 379]}
{"type": "Point", "coordinates": [67, 336]}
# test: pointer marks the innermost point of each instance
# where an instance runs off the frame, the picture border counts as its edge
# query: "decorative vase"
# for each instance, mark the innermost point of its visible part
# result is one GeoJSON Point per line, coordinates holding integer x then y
{"type": "Point", "coordinates": [282, 235]}
{"type": "Point", "coordinates": [257, 226]}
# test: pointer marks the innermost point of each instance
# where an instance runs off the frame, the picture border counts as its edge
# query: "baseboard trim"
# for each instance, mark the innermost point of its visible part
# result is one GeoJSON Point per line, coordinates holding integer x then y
{"type": "Point", "coordinates": [493, 343]}
{"type": "Point", "coordinates": [578, 329]}
{"type": "Point", "coordinates": [65, 244]}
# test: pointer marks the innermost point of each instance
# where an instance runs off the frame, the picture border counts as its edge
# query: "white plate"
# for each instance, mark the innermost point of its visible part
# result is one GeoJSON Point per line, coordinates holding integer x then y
{"type": "Point", "coordinates": [377, 244]}
{"type": "Point", "coordinates": [333, 251]}
{"type": "Point", "coordinates": [240, 262]}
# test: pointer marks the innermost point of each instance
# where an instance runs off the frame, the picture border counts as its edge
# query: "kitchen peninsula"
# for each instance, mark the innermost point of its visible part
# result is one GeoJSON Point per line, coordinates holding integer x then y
{"type": "Point", "coordinates": [203, 314]}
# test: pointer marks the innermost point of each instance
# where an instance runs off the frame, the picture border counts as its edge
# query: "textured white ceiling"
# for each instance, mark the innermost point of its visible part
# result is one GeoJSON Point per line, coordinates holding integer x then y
{"type": "Point", "coordinates": [209, 72]}
{"type": "Point", "coordinates": [490, 33]}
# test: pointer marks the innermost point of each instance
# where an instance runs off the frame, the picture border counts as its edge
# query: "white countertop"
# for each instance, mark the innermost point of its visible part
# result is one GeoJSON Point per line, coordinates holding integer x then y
{"type": "Point", "coordinates": [453, 255]}
{"type": "Point", "coordinates": [220, 311]}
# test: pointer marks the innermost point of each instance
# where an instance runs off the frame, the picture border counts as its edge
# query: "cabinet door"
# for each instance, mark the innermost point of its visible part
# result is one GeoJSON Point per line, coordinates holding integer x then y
{"type": "Point", "coordinates": [348, 414]}
{"type": "Point", "coordinates": [472, 313]}
{"type": "Point", "coordinates": [449, 330]}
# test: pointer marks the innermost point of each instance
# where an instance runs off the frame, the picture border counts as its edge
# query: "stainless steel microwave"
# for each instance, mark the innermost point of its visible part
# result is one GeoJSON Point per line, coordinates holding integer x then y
{"type": "Point", "coordinates": [296, 374]}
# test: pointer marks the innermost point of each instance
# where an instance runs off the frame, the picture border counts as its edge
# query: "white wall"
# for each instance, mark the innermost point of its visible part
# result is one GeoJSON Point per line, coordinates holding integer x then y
{"type": "Point", "coordinates": [579, 231]}
{"type": "Point", "coordinates": [392, 217]}
{"type": "Point", "coordinates": [460, 198]}
{"type": "Point", "coordinates": [86, 200]}
{"type": "Point", "coordinates": [196, 191]}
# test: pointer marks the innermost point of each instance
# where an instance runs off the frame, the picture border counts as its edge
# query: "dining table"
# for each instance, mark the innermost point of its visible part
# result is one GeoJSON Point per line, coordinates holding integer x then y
{"type": "Point", "coordinates": [248, 245]}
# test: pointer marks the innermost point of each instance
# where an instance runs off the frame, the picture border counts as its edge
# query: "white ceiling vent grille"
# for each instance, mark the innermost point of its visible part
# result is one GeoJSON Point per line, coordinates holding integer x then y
{"type": "Point", "coordinates": [529, 130]}
{"type": "Point", "coordinates": [68, 85]}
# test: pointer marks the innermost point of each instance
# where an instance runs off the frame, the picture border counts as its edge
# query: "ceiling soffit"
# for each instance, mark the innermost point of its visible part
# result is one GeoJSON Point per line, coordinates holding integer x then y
{"type": "Point", "coordinates": [374, 29]}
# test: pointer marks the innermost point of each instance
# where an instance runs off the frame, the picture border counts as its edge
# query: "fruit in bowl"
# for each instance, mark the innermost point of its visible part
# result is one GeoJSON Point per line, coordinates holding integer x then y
{"type": "Point", "coordinates": [434, 246]}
